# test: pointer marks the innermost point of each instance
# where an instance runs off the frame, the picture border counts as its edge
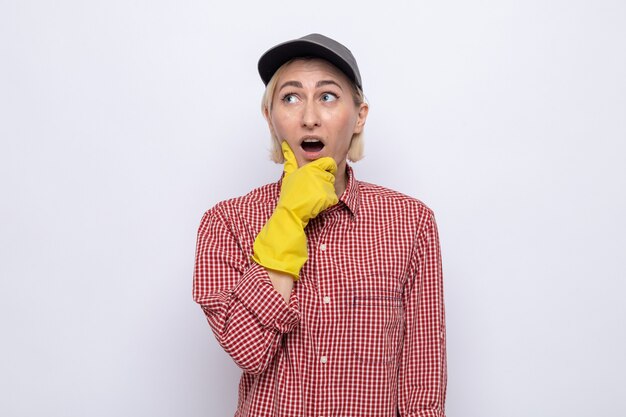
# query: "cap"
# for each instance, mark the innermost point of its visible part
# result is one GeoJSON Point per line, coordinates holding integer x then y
{"type": "Point", "coordinates": [315, 45]}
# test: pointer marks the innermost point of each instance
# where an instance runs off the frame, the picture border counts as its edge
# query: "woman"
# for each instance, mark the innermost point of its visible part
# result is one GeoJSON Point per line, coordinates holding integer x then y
{"type": "Point", "coordinates": [325, 290]}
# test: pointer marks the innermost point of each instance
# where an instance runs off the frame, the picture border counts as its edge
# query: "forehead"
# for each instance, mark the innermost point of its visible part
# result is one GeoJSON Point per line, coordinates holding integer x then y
{"type": "Point", "coordinates": [313, 68]}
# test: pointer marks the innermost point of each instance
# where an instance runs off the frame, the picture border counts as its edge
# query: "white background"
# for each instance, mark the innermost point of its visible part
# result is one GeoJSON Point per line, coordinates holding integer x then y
{"type": "Point", "coordinates": [121, 122]}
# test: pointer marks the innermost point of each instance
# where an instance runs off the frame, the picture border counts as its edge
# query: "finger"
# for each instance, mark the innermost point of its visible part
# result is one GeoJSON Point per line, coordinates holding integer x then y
{"type": "Point", "coordinates": [290, 159]}
{"type": "Point", "coordinates": [328, 177]}
{"type": "Point", "coordinates": [326, 163]}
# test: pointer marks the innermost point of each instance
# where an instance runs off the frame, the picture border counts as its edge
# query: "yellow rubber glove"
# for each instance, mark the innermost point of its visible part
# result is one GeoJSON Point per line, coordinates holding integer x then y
{"type": "Point", "coordinates": [305, 192]}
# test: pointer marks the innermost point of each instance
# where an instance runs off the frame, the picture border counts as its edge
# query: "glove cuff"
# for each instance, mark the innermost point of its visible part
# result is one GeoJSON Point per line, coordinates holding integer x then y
{"type": "Point", "coordinates": [281, 244]}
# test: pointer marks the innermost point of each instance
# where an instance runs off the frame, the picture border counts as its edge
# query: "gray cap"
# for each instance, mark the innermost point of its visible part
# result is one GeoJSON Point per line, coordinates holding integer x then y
{"type": "Point", "coordinates": [310, 45]}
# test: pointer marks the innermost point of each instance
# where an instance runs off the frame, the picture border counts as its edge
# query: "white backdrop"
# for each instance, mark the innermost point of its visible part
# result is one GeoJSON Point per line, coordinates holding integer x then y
{"type": "Point", "coordinates": [122, 122]}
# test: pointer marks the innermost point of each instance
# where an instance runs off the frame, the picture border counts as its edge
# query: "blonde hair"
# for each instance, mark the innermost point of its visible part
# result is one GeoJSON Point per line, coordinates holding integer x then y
{"type": "Point", "coordinates": [356, 149]}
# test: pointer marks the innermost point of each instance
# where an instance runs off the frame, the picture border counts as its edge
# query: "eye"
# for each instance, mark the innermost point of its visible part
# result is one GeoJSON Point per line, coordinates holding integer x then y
{"type": "Point", "coordinates": [328, 97]}
{"type": "Point", "coordinates": [290, 98]}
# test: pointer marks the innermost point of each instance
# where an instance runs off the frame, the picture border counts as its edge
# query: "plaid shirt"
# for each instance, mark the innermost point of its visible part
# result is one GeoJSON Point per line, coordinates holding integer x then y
{"type": "Point", "coordinates": [363, 334]}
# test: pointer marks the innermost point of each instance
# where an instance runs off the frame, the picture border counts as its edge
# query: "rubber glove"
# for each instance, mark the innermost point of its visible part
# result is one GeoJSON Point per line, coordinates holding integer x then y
{"type": "Point", "coordinates": [305, 192]}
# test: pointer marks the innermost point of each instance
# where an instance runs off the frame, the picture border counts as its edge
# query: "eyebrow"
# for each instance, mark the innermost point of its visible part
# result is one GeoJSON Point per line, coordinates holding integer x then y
{"type": "Point", "coordinates": [327, 82]}
{"type": "Point", "coordinates": [319, 84]}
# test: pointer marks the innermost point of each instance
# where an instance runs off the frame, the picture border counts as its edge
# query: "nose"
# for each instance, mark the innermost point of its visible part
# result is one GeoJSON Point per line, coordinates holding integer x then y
{"type": "Point", "coordinates": [310, 116]}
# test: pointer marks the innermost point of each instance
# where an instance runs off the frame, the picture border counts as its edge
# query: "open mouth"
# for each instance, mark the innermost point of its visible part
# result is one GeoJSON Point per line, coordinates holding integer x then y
{"type": "Point", "coordinates": [312, 145]}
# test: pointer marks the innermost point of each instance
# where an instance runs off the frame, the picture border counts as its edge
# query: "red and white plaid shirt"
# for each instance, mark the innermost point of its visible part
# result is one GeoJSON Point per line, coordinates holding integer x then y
{"type": "Point", "coordinates": [363, 334]}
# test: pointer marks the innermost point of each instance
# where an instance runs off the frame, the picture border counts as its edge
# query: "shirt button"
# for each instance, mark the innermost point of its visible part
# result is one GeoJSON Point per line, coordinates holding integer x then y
{"type": "Point", "coordinates": [326, 300]}
{"type": "Point", "coordinates": [323, 359]}
{"type": "Point", "coordinates": [323, 247]}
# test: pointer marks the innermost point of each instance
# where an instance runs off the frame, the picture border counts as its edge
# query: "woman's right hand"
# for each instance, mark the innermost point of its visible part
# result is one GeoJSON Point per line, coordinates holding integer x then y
{"type": "Point", "coordinates": [308, 190]}
{"type": "Point", "coordinates": [305, 192]}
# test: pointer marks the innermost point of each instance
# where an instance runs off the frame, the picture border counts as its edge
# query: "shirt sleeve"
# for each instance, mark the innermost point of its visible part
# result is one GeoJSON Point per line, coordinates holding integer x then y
{"type": "Point", "coordinates": [423, 373]}
{"type": "Point", "coordinates": [247, 315]}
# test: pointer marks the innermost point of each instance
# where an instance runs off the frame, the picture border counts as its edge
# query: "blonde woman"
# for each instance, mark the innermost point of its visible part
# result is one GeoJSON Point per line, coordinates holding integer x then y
{"type": "Point", "coordinates": [326, 291]}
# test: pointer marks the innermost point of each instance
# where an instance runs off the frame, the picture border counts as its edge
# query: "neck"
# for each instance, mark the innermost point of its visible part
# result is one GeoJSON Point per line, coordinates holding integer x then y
{"type": "Point", "coordinates": [341, 180]}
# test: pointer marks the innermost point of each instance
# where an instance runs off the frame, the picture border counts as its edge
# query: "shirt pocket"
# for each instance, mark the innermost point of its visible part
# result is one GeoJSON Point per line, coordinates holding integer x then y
{"type": "Point", "coordinates": [377, 320]}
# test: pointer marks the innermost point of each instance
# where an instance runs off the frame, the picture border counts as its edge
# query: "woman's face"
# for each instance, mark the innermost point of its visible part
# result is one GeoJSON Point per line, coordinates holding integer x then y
{"type": "Point", "coordinates": [313, 110]}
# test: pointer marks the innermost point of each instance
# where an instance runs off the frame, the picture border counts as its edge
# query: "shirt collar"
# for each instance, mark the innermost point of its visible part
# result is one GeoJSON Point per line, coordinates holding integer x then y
{"type": "Point", "coordinates": [350, 196]}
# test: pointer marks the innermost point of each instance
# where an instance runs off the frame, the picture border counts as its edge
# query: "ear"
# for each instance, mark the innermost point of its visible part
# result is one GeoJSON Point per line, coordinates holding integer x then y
{"type": "Point", "coordinates": [361, 117]}
{"type": "Point", "coordinates": [268, 119]}
{"type": "Point", "coordinates": [266, 113]}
